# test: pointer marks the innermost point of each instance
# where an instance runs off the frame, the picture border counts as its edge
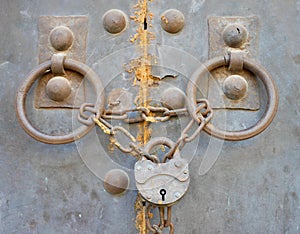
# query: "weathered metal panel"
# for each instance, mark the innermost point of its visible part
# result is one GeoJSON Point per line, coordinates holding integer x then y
{"type": "Point", "coordinates": [78, 26]}
{"type": "Point", "coordinates": [253, 187]}
{"type": "Point", "coordinates": [217, 47]}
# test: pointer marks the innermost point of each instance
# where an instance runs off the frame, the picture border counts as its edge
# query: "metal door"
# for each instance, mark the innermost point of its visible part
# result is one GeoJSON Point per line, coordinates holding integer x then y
{"type": "Point", "coordinates": [247, 186]}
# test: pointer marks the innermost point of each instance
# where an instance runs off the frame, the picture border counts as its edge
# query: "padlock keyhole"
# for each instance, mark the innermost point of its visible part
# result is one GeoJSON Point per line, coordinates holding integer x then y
{"type": "Point", "coordinates": [163, 193]}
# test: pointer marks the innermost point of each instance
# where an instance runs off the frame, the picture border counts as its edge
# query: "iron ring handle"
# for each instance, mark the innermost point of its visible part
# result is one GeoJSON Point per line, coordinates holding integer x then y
{"type": "Point", "coordinates": [252, 66]}
{"type": "Point", "coordinates": [20, 101]}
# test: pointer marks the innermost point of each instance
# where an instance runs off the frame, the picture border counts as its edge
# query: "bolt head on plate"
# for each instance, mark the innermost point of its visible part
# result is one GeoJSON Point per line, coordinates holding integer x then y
{"type": "Point", "coordinates": [177, 194]}
{"type": "Point", "coordinates": [235, 35]}
{"type": "Point", "coordinates": [235, 87]}
{"type": "Point", "coordinates": [114, 21]}
{"type": "Point", "coordinates": [178, 164]}
{"type": "Point", "coordinates": [172, 21]}
{"type": "Point", "coordinates": [61, 38]}
{"type": "Point", "coordinates": [116, 181]}
{"type": "Point", "coordinates": [173, 98]}
{"type": "Point", "coordinates": [58, 88]}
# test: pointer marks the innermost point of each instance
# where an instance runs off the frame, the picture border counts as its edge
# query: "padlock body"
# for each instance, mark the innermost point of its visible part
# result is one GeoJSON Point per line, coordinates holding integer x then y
{"type": "Point", "coordinates": [162, 184]}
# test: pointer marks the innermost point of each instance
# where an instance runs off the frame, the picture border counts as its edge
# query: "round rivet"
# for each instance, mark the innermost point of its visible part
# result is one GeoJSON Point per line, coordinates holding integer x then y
{"type": "Point", "coordinates": [150, 167]}
{"type": "Point", "coordinates": [172, 21]}
{"type": "Point", "coordinates": [185, 171]}
{"type": "Point", "coordinates": [177, 194]}
{"type": "Point", "coordinates": [173, 98]}
{"type": "Point", "coordinates": [178, 164]}
{"type": "Point", "coordinates": [116, 181]}
{"type": "Point", "coordinates": [114, 21]}
{"type": "Point", "coordinates": [235, 35]}
{"type": "Point", "coordinates": [61, 38]}
{"type": "Point", "coordinates": [235, 87]}
{"type": "Point", "coordinates": [58, 88]}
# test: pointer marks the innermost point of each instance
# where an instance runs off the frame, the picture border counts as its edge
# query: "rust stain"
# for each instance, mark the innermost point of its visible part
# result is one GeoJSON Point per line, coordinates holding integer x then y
{"type": "Point", "coordinates": [141, 67]}
{"type": "Point", "coordinates": [140, 220]}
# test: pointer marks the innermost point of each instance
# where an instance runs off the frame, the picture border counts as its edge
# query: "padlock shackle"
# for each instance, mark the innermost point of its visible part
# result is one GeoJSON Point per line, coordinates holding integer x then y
{"type": "Point", "coordinates": [161, 141]}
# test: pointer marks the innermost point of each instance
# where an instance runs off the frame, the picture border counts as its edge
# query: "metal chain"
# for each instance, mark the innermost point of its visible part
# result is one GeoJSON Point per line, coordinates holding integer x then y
{"type": "Point", "coordinates": [135, 115]}
{"type": "Point", "coordinates": [164, 223]}
{"type": "Point", "coordinates": [203, 112]}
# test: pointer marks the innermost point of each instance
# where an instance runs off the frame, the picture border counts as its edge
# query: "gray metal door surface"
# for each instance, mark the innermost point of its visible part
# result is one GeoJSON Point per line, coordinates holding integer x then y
{"type": "Point", "coordinates": [243, 171]}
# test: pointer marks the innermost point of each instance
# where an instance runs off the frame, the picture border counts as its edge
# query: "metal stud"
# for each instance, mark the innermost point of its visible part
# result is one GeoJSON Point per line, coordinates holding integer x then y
{"type": "Point", "coordinates": [235, 87]}
{"type": "Point", "coordinates": [178, 164]}
{"type": "Point", "coordinates": [172, 21]}
{"type": "Point", "coordinates": [173, 98]}
{"type": "Point", "coordinates": [150, 167]}
{"type": "Point", "coordinates": [235, 35]}
{"type": "Point", "coordinates": [116, 181]}
{"type": "Point", "coordinates": [58, 88]}
{"type": "Point", "coordinates": [114, 21]}
{"type": "Point", "coordinates": [61, 38]}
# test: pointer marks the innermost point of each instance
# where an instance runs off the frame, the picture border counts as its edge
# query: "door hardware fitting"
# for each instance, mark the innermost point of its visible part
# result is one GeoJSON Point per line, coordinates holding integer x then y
{"type": "Point", "coordinates": [161, 180]}
{"type": "Point", "coordinates": [238, 34]}
{"type": "Point", "coordinates": [61, 35]}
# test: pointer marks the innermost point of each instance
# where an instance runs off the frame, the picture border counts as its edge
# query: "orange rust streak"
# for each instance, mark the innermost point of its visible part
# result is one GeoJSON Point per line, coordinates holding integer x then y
{"type": "Point", "coordinates": [143, 78]}
{"type": "Point", "coordinates": [143, 71]}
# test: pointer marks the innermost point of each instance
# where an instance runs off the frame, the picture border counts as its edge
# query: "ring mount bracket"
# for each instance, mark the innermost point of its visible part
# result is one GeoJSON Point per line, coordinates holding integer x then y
{"type": "Point", "coordinates": [34, 75]}
{"type": "Point", "coordinates": [219, 35]}
{"type": "Point", "coordinates": [72, 29]}
{"type": "Point", "coordinates": [261, 73]}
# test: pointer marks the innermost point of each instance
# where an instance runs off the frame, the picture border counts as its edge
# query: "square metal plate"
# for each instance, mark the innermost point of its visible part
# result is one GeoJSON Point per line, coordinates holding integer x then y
{"type": "Point", "coordinates": [217, 47]}
{"type": "Point", "coordinates": [79, 26]}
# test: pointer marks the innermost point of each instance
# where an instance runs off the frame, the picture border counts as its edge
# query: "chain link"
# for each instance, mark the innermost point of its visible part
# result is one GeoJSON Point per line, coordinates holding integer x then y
{"type": "Point", "coordinates": [149, 114]}
{"type": "Point", "coordinates": [203, 111]}
{"type": "Point", "coordinates": [85, 119]}
{"type": "Point", "coordinates": [205, 114]}
{"type": "Point", "coordinates": [164, 223]}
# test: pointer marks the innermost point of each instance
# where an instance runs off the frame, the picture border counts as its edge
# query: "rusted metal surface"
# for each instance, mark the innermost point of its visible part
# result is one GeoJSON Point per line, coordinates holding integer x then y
{"type": "Point", "coordinates": [119, 100]}
{"type": "Point", "coordinates": [58, 88]}
{"type": "Point", "coordinates": [203, 114]}
{"type": "Point", "coordinates": [115, 21]}
{"type": "Point", "coordinates": [235, 35]}
{"type": "Point", "coordinates": [226, 34]}
{"type": "Point", "coordinates": [61, 38]}
{"type": "Point", "coordinates": [26, 85]}
{"type": "Point", "coordinates": [218, 202]}
{"type": "Point", "coordinates": [235, 87]}
{"type": "Point", "coordinates": [172, 21]}
{"type": "Point", "coordinates": [164, 223]}
{"type": "Point", "coordinates": [173, 98]}
{"type": "Point", "coordinates": [67, 34]}
{"type": "Point", "coordinates": [162, 183]}
{"type": "Point", "coordinates": [116, 181]}
{"type": "Point", "coordinates": [252, 66]}
{"type": "Point", "coordinates": [76, 97]}
{"type": "Point", "coordinates": [153, 179]}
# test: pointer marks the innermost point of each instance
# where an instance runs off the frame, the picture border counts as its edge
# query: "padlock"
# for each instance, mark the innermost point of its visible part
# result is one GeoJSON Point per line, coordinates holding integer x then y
{"type": "Point", "coordinates": [162, 184]}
